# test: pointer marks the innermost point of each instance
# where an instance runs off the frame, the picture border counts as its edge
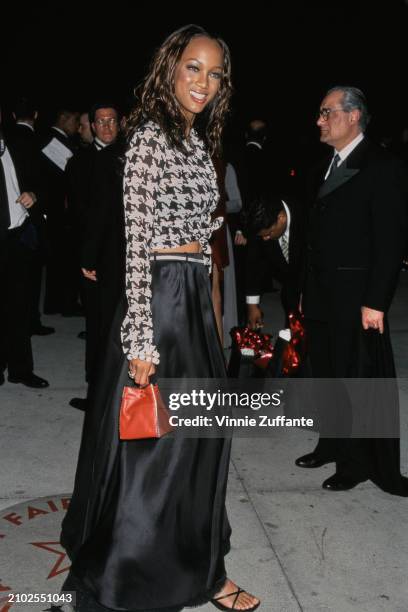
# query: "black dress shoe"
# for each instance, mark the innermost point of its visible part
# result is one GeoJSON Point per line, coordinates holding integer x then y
{"type": "Point", "coordinates": [42, 330]}
{"type": "Point", "coordinates": [337, 482]}
{"type": "Point", "coordinates": [311, 460]}
{"type": "Point", "coordinates": [79, 403]}
{"type": "Point", "coordinates": [30, 380]}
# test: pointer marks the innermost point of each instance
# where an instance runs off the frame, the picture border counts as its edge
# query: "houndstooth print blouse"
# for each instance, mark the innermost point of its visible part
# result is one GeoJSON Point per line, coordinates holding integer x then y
{"type": "Point", "coordinates": [169, 197]}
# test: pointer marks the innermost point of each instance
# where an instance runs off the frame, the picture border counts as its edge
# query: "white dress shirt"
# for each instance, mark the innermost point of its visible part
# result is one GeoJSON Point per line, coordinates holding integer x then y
{"type": "Point", "coordinates": [18, 213]}
{"type": "Point", "coordinates": [344, 153]}
{"type": "Point", "coordinates": [99, 144]}
{"type": "Point", "coordinates": [255, 299]}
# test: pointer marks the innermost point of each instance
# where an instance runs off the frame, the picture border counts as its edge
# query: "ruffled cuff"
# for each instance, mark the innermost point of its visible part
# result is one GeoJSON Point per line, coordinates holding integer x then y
{"type": "Point", "coordinates": [216, 224]}
{"type": "Point", "coordinates": [147, 353]}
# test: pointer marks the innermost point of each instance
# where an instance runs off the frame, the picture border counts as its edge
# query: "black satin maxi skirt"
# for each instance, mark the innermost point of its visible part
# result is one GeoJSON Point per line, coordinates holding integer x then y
{"type": "Point", "coordinates": [147, 527]}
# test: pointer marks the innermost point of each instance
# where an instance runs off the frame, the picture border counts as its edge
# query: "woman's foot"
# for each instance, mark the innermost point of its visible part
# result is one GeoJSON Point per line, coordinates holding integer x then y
{"type": "Point", "coordinates": [231, 597]}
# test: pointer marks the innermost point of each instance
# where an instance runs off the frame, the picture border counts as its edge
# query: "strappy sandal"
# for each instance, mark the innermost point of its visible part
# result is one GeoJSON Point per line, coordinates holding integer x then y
{"type": "Point", "coordinates": [220, 606]}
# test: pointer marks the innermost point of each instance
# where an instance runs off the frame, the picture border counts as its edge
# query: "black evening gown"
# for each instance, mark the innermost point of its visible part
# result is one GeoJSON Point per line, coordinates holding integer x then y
{"type": "Point", "coordinates": [147, 527]}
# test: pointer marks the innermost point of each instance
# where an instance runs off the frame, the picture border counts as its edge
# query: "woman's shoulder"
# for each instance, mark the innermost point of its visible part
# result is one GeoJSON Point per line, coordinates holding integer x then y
{"type": "Point", "coordinates": [148, 145]}
{"type": "Point", "coordinates": [147, 132]}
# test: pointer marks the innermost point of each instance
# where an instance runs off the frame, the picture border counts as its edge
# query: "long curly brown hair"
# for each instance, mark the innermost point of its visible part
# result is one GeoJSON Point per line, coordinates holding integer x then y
{"type": "Point", "coordinates": [156, 100]}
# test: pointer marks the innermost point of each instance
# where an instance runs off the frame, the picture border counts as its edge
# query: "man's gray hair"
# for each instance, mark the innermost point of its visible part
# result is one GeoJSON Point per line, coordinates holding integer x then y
{"type": "Point", "coordinates": [353, 98]}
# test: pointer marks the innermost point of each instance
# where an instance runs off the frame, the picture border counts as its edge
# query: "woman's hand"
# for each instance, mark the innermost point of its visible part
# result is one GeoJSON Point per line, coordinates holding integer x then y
{"type": "Point", "coordinates": [372, 318]}
{"type": "Point", "coordinates": [141, 370]}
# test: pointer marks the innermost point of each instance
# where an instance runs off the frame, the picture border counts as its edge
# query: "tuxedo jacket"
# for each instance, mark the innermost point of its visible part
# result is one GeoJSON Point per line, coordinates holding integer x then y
{"type": "Point", "coordinates": [54, 180]}
{"type": "Point", "coordinates": [27, 181]}
{"type": "Point", "coordinates": [79, 172]}
{"type": "Point", "coordinates": [265, 259]}
{"type": "Point", "coordinates": [25, 144]}
{"type": "Point", "coordinates": [356, 238]}
{"type": "Point", "coordinates": [23, 138]}
{"type": "Point", "coordinates": [256, 174]}
{"type": "Point", "coordinates": [252, 176]}
{"type": "Point", "coordinates": [103, 246]}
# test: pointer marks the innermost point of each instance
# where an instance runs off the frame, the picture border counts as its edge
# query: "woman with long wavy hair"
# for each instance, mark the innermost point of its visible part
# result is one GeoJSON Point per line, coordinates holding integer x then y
{"type": "Point", "coordinates": [147, 527]}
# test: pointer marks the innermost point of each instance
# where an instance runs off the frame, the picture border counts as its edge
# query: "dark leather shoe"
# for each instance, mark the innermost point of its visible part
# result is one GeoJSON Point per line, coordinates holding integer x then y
{"type": "Point", "coordinates": [311, 460]}
{"type": "Point", "coordinates": [42, 330]}
{"type": "Point", "coordinates": [30, 380]}
{"type": "Point", "coordinates": [337, 482]}
{"type": "Point", "coordinates": [79, 403]}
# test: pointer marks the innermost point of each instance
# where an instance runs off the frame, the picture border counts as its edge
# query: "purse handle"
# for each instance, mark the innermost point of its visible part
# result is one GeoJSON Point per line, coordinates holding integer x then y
{"type": "Point", "coordinates": [153, 380]}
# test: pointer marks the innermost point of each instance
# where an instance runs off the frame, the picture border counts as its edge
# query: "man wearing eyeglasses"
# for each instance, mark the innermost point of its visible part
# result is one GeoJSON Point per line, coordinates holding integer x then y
{"type": "Point", "coordinates": [357, 234]}
{"type": "Point", "coordinates": [103, 119]}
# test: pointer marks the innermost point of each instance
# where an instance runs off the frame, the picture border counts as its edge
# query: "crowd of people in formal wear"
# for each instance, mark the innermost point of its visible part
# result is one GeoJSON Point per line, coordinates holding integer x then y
{"type": "Point", "coordinates": [92, 213]}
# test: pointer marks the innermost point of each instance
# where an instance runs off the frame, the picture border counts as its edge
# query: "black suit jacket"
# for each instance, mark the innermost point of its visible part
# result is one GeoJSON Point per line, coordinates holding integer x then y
{"type": "Point", "coordinates": [103, 247]}
{"type": "Point", "coordinates": [255, 174]}
{"type": "Point", "coordinates": [357, 233]}
{"type": "Point", "coordinates": [25, 139]}
{"type": "Point", "coordinates": [25, 144]}
{"type": "Point", "coordinates": [252, 175]}
{"type": "Point", "coordinates": [79, 175]}
{"type": "Point", "coordinates": [265, 258]}
{"type": "Point", "coordinates": [54, 180]}
{"type": "Point", "coordinates": [27, 181]}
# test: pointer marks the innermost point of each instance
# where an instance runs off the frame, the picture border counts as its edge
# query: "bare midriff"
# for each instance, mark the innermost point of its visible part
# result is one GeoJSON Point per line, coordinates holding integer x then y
{"type": "Point", "coordinates": [191, 247]}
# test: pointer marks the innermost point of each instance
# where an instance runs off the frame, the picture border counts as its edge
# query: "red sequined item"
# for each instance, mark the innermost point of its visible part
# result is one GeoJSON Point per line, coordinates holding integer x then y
{"type": "Point", "coordinates": [254, 344]}
{"type": "Point", "coordinates": [291, 354]}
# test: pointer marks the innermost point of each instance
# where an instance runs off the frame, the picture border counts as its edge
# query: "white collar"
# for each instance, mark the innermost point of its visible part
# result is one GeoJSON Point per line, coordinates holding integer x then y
{"type": "Point", "coordinates": [253, 142]}
{"type": "Point", "coordinates": [99, 143]}
{"type": "Point", "coordinates": [26, 124]}
{"type": "Point", "coordinates": [54, 127]}
{"type": "Point", "coordinates": [344, 153]}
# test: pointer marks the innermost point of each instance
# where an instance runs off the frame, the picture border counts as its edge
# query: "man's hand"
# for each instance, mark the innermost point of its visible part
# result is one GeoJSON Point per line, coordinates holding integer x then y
{"type": "Point", "coordinates": [140, 371]}
{"type": "Point", "coordinates": [89, 274]}
{"type": "Point", "coordinates": [372, 318]}
{"type": "Point", "coordinates": [27, 199]}
{"type": "Point", "coordinates": [255, 316]}
{"type": "Point", "coordinates": [240, 239]}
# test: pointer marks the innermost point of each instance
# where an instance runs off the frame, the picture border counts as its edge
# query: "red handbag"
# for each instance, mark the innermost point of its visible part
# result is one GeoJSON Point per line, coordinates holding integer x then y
{"type": "Point", "coordinates": [143, 414]}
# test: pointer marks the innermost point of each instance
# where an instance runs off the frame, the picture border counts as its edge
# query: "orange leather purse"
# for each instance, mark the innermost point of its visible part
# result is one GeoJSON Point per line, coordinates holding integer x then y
{"type": "Point", "coordinates": [143, 414]}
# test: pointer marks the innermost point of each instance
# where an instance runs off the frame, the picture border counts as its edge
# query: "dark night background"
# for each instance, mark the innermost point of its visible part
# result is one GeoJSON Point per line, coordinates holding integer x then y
{"type": "Point", "coordinates": [285, 55]}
